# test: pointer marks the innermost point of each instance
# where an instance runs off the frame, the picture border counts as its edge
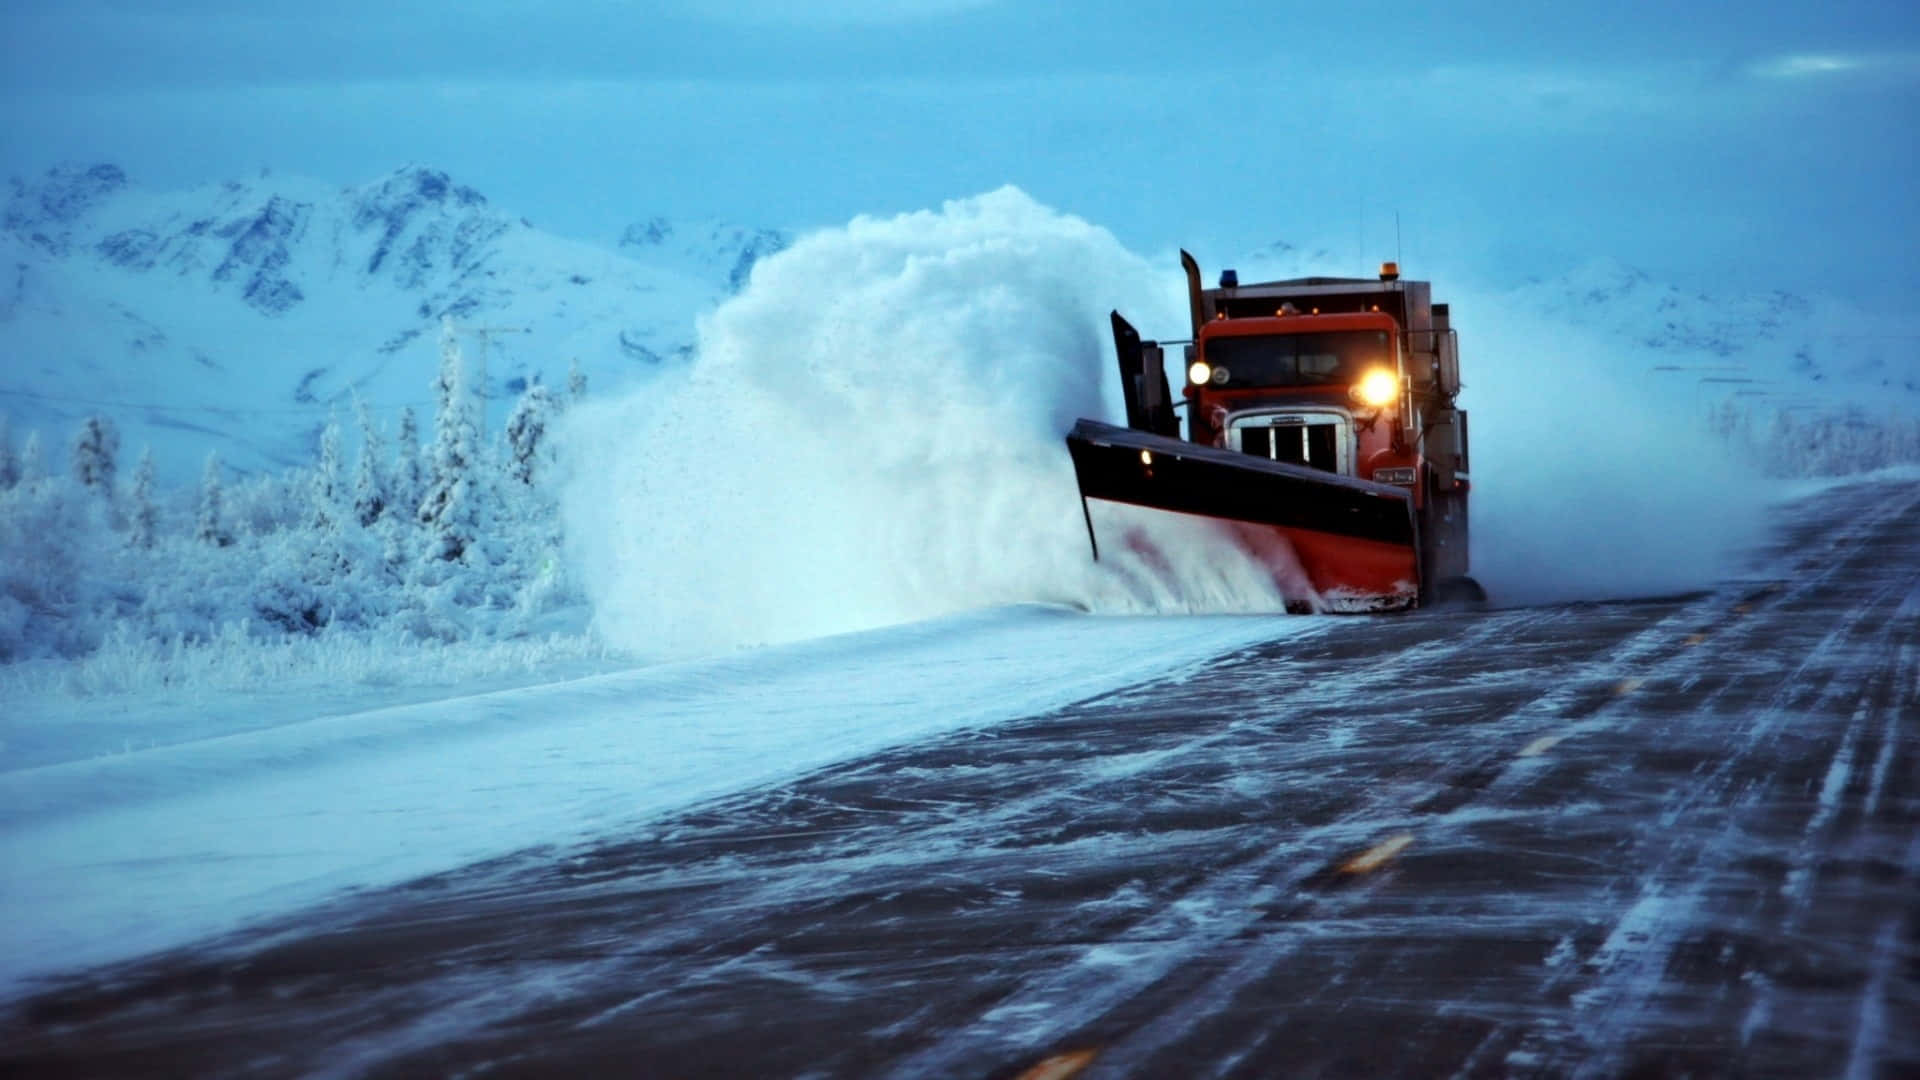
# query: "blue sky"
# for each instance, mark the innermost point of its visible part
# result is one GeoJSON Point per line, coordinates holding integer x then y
{"type": "Point", "coordinates": [1762, 143]}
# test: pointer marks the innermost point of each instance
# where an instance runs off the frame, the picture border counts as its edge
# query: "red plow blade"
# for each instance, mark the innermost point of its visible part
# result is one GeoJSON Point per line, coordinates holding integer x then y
{"type": "Point", "coordinates": [1333, 542]}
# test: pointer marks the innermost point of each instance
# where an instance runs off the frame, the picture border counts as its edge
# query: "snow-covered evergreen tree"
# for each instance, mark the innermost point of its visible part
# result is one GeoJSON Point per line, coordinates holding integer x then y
{"type": "Point", "coordinates": [450, 510]}
{"type": "Point", "coordinates": [527, 445]}
{"type": "Point", "coordinates": [1783, 445]}
{"type": "Point", "coordinates": [208, 527]}
{"type": "Point", "coordinates": [33, 465]}
{"type": "Point", "coordinates": [143, 515]}
{"type": "Point", "coordinates": [369, 481]}
{"type": "Point", "coordinates": [9, 463]}
{"type": "Point", "coordinates": [324, 488]}
{"type": "Point", "coordinates": [408, 484]}
{"type": "Point", "coordinates": [1723, 419]}
{"type": "Point", "coordinates": [94, 452]}
{"type": "Point", "coordinates": [1907, 441]}
{"type": "Point", "coordinates": [576, 382]}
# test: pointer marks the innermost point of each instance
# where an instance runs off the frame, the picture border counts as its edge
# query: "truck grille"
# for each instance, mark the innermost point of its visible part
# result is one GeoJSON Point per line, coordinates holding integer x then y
{"type": "Point", "coordinates": [1311, 445]}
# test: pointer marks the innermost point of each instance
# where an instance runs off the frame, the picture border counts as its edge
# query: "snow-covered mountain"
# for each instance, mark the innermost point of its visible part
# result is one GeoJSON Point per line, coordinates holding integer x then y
{"type": "Point", "coordinates": [1821, 348]}
{"type": "Point", "coordinates": [236, 316]}
{"type": "Point", "coordinates": [717, 250]}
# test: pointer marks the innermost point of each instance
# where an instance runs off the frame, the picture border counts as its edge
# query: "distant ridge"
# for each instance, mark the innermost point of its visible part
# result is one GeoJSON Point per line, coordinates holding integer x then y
{"type": "Point", "coordinates": [236, 315]}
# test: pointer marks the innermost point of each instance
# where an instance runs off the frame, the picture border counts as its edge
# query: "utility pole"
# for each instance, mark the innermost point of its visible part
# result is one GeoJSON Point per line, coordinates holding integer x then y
{"type": "Point", "coordinates": [485, 334]}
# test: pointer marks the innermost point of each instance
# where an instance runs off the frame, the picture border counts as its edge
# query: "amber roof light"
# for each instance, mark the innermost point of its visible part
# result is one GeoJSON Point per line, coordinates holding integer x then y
{"type": "Point", "coordinates": [1389, 271]}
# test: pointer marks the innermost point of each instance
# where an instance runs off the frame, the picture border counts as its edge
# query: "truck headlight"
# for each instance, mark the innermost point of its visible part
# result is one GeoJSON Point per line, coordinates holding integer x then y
{"type": "Point", "coordinates": [1377, 388]}
{"type": "Point", "coordinates": [1199, 373]}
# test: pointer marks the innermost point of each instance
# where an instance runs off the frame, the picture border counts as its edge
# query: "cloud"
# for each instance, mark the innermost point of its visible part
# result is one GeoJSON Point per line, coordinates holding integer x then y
{"type": "Point", "coordinates": [1830, 65]}
{"type": "Point", "coordinates": [1804, 65]}
{"type": "Point", "coordinates": [1505, 92]}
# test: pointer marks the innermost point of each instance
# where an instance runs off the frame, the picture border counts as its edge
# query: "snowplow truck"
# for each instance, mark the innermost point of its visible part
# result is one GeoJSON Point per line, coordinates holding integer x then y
{"type": "Point", "coordinates": [1321, 436]}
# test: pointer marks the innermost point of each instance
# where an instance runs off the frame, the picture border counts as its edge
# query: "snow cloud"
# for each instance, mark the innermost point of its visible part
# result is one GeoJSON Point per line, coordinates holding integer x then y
{"type": "Point", "coordinates": [1592, 479]}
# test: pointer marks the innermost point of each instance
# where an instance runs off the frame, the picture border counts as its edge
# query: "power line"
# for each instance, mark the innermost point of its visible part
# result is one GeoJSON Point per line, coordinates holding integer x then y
{"type": "Point", "coordinates": [219, 410]}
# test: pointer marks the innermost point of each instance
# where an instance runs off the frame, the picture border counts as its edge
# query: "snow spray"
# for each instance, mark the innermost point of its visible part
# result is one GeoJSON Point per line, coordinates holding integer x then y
{"type": "Point", "coordinates": [871, 432]}
{"type": "Point", "coordinates": [1591, 478]}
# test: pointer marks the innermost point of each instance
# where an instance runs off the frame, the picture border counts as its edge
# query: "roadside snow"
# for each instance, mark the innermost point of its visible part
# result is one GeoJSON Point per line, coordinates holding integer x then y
{"type": "Point", "coordinates": [114, 856]}
{"type": "Point", "coordinates": [1802, 488]}
{"type": "Point", "coordinates": [139, 694]}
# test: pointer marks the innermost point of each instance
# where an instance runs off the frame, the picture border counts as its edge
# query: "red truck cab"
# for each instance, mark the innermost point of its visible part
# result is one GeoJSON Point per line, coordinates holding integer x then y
{"type": "Point", "coordinates": [1326, 391]}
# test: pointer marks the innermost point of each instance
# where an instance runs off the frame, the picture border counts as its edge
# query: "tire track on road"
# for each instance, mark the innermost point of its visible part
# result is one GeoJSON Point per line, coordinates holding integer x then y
{"type": "Point", "coordinates": [1624, 974]}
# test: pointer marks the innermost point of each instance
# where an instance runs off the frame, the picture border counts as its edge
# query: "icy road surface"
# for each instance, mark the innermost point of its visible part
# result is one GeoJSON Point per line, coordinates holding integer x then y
{"type": "Point", "coordinates": [113, 855]}
{"type": "Point", "coordinates": [1673, 836]}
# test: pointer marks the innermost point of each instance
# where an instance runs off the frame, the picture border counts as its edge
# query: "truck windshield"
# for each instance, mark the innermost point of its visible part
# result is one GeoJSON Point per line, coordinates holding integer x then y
{"type": "Point", "coordinates": [1298, 359]}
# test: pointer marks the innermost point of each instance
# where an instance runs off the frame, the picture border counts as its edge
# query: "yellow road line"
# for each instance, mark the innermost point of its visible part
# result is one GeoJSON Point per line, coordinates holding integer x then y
{"type": "Point", "coordinates": [1541, 745]}
{"type": "Point", "coordinates": [1378, 855]}
{"type": "Point", "coordinates": [1061, 1066]}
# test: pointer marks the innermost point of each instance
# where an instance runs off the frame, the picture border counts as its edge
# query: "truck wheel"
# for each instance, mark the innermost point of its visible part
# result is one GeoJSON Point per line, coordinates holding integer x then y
{"type": "Point", "coordinates": [1459, 592]}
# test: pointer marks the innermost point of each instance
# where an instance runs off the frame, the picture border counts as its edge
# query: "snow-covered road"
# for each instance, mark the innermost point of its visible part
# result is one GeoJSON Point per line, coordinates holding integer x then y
{"type": "Point", "coordinates": [1667, 836]}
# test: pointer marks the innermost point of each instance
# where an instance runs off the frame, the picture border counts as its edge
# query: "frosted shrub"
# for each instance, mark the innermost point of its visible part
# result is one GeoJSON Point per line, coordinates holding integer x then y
{"type": "Point", "coordinates": [240, 566]}
{"type": "Point", "coordinates": [56, 552]}
{"type": "Point", "coordinates": [237, 659]}
{"type": "Point", "coordinates": [265, 504]}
